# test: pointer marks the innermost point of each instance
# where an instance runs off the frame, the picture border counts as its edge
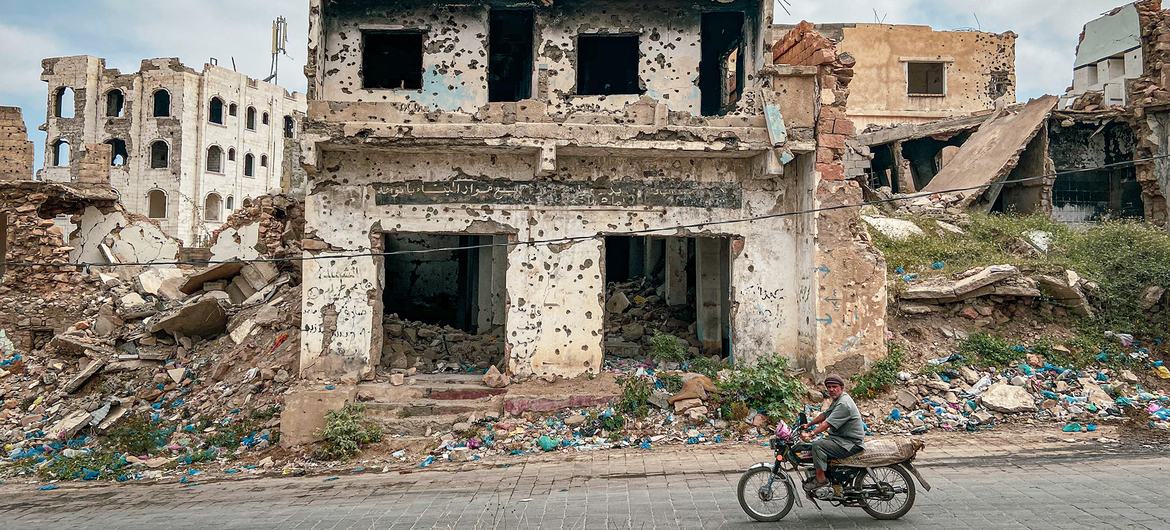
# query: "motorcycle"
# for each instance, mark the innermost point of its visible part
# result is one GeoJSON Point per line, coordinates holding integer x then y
{"type": "Point", "coordinates": [877, 480]}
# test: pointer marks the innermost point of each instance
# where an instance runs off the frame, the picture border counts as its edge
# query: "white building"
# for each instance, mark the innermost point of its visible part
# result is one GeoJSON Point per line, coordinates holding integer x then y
{"type": "Point", "coordinates": [188, 146]}
{"type": "Point", "coordinates": [1109, 53]}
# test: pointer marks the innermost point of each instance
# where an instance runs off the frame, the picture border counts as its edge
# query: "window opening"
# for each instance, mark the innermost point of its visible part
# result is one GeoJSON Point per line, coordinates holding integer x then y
{"type": "Point", "coordinates": [232, 154]}
{"type": "Point", "coordinates": [263, 160]}
{"type": "Point", "coordinates": [215, 159]}
{"type": "Point", "coordinates": [162, 104]}
{"type": "Point", "coordinates": [233, 110]}
{"type": "Point", "coordinates": [250, 119]}
{"type": "Point", "coordinates": [249, 161]}
{"type": "Point", "coordinates": [231, 202]}
{"type": "Point", "coordinates": [64, 102]}
{"type": "Point", "coordinates": [60, 153]}
{"type": "Point", "coordinates": [607, 65]}
{"type": "Point", "coordinates": [120, 155]}
{"type": "Point", "coordinates": [289, 127]}
{"type": "Point", "coordinates": [215, 112]}
{"type": "Point", "coordinates": [264, 118]}
{"type": "Point", "coordinates": [115, 103]}
{"type": "Point", "coordinates": [926, 79]}
{"type": "Point", "coordinates": [156, 204]}
{"type": "Point", "coordinates": [392, 60]}
{"type": "Point", "coordinates": [213, 208]}
{"type": "Point", "coordinates": [160, 155]}
{"type": "Point", "coordinates": [510, 51]}
{"type": "Point", "coordinates": [721, 70]}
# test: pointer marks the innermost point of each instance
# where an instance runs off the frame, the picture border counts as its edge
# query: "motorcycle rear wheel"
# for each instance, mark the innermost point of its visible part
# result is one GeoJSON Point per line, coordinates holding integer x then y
{"type": "Point", "coordinates": [753, 490]}
{"type": "Point", "coordinates": [886, 477]}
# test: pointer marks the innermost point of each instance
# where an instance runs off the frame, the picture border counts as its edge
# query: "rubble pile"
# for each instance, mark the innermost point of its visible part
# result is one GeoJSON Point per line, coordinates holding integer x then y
{"type": "Point", "coordinates": [994, 294]}
{"type": "Point", "coordinates": [953, 394]}
{"type": "Point", "coordinates": [429, 348]}
{"type": "Point", "coordinates": [271, 226]}
{"type": "Point", "coordinates": [199, 359]}
{"type": "Point", "coordinates": [636, 311]}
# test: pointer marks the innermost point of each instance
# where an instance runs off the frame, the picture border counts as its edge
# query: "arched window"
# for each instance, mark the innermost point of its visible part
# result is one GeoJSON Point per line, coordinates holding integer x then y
{"type": "Point", "coordinates": [213, 208]}
{"type": "Point", "coordinates": [250, 119]}
{"type": "Point", "coordinates": [64, 101]}
{"type": "Point", "coordinates": [162, 104]}
{"type": "Point", "coordinates": [156, 204]}
{"type": "Point", "coordinates": [232, 154]}
{"type": "Point", "coordinates": [119, 155]}
{"type": "Point", "coordinates": [263, 160]}
{"type": "Point", "coordinates": [160, 155]}
{"type": "Point", "coordinates": [215, 112]}
{"type": "Point", "coordinates": [249, 165]}
{"type": "Point", "coordinates": [231, 203]}
{"type": "Point", "coordinates": [214, 159]}
{"type": "Point", "coordinates": [234, 110]}
{"type": "Point", "coordinates": [264, 119]}
{"type": "Point", "coordinates": [290, 127]}
{"type": "Point", "coordinates": [60, 153]}
{"type": "Point", "coordinates": [115, 103]}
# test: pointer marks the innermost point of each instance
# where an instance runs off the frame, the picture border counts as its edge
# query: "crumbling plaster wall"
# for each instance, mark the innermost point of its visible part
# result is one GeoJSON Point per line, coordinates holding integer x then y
{"type": "Point", "coordinates": [554, 322]}
{"type": "Point", "coordinates": [455, 52]}
{"type": "Point", "coordinates": [1148, 100]}
{"type": "Point", "coordinates": [973, 60]}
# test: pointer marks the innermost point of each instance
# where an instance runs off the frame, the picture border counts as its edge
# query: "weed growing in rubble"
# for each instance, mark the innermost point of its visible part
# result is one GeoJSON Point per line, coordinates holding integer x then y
{"type": "Point", "coordinates": [137, 436]}
{"type": "Point", "coordinates": [881, 375]}
{"type": "Point", "coordinates": [665, 347]}
{"type": "Point", "coordinates": [988, 350]}
{"type": "Point", "coordinates": [87, 466]}
{"type": "Point", "coordinates": [346, 431]}
{"type": "Point", "coordinates": [766, 386]}
{"type": "Point", "coordinates": [635, 398]}
{"type": "Point", "coordinates": [707, 366]}
{"type": "Point", "coordinates": [671, 383]}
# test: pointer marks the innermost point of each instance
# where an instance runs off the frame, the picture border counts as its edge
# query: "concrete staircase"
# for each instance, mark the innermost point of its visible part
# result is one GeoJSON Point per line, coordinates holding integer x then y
{"type": "Point", "coordinates": [429, 401]}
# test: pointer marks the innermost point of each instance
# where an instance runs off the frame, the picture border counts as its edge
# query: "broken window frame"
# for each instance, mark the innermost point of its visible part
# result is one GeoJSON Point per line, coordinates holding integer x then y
{"type": "Point", "coordinates": [215, 107]}
{"type": "Point", "coordinates": [925, 94]}
{"type": "Point", "coordinates": [115, 103]}
{"type": "Point", "coordinates": [59, 100]}
{"type": "Point", "coordinates": [150, 203]}
{"type": "Point", "coordinates": [519, 78]}
{"type": "Point", "coordinates": [115, 152]}
{"type": "Point", "coordinates": [62, 152]}
{"type": "Point", "coordinates": [155, 100]}
{"type": "Point", "coordinates": [290, 127]}
{"type": "Point", "coordinates": [155, 157]}
{"type": "Point", "coordinates": [725, 100]}
{"type": "Point", "coordinates": [585, 87]}
{"type": "Point", "coordinates": [405, 83]}
{"type": "Point", "coordinates": [218, 167]}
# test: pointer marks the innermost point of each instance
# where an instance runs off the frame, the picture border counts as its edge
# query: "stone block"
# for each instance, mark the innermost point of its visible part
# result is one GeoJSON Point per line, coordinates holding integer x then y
{"type": "Point", "coordinates": [303, 416]}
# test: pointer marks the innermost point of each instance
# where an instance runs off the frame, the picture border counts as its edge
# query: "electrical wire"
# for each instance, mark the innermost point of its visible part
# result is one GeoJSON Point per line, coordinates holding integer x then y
{"type": "Point", "coordinates": [574, 239]}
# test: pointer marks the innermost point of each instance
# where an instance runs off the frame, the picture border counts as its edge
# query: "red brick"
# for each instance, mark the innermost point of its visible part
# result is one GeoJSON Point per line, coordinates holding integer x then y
{"type": "Point", "coordinates": [831, 171]}
{"type": "Point", "coordinates": [832, 141]}
{"type": "Point", "coordinates": [825, 155]}
{"type": "Point", "coordinates": [844, 126]}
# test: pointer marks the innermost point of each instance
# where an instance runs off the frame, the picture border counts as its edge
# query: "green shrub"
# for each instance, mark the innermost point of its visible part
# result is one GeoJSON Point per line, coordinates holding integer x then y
{"type": "Point", "coordinates": [613, 423]}
{"type": "Point", "coordinates": [707, 366]}
{"type": "Point", "coordinates": [988, 350]}
{"type": "Point", "coordinates": [137, 435]}
{"type": "Point", "coordinates": [882, 375]}
{"type": "Point", "coordinates": [635, 398]}
{"type": "Point", "coordinates": [767, 386]}
{"type": "Point", "coordinates": [346, 431]}
{"type": "Point", "coordinates": [672, 383]}
{"type": "Point", "coordinates": [668, 348]}
{"type": "Point", "coordinates": [90, 466]}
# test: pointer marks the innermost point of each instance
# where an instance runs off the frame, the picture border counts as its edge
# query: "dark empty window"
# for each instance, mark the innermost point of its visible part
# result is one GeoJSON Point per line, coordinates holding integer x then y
{"type": "Point", "coordinates": [510, 55]}
{"type": "Point", "coordinates": [264, 118]}
{"type": "Point", "coordinates": [263, 160]}
{"type": "Point", "coordinates": [115, 103]}
{"type": "Point", "coordinates": [215, 111]}
{"type": "Point", "coordinates": [249, 165]}
{"type": "Point", "coordinates": [162, 104]}
{"type": "Point", "coordinates": [250, 119]}
{"type": "Point", "coordinates": [120, 155]}
{"type": "Point", "coordinates": [290, 127]}
{"type": "Point", "coordinates": [232, 154]}
{"type": "Point", "coordinates": [607, 64]}
{"type": "Point", "coordinates": [926, 79]}
{"type": "Point", "coordinates": [721, 68]}
{"type": "Point", "coordinates": [392, 59]}
{"type": "Point", "coordinates": [160, 155]}
{"type": "Point", "coordinates": [233, 109]}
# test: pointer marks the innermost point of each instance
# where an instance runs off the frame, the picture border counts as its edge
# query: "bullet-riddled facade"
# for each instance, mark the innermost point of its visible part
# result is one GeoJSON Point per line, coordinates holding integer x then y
{"type": "Point", "coordinates": [501, 168]}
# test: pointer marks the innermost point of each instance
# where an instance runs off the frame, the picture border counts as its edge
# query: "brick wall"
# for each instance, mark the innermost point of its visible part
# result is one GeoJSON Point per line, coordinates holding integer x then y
{"type": "Point", "coordinates": [16, 151]}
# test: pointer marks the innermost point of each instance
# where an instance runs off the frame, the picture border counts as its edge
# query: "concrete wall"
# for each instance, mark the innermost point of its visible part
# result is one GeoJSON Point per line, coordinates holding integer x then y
{"type": "Point", "coordinates": [186, 131]}
{"type": "Point", "coordinates": [974, 60]}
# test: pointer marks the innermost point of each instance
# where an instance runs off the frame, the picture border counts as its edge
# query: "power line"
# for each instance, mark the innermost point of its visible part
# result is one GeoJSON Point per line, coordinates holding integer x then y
{"type": "Point", "coordinates": [573, 239]}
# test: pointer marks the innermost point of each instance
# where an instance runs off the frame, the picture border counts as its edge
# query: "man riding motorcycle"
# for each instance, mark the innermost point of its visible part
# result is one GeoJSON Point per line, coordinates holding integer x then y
{"type": "Point", "coordinates": [842, 420]}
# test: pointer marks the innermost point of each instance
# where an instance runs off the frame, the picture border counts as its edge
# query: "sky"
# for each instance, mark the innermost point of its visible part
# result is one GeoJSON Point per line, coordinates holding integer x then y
{"type": "Point", "coordinates": [126, 31]}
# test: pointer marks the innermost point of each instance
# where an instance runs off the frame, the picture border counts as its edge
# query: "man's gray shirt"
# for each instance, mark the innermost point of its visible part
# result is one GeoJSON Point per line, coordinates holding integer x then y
{"type": "Point", "coordinates": [845, 420]}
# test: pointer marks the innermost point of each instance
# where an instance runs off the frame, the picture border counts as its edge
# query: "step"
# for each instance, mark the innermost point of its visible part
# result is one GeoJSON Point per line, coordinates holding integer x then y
{"type": "Point", "coordinates": [415, 389]}
{"type": "Point", "coordinates": [433, 407]}
{"type": "Point", "coordinates": [417, 426]}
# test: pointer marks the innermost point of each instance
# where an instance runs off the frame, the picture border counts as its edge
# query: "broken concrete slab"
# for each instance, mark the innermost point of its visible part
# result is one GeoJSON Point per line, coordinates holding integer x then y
{"type": "Point", "coordinates": [958, 289]}
{"type": "Point", "coordinates": [991, 152]}
{"type": "Point", "coordinates": [204, 318]}
{"type": "Point", "coordinates": [303, 416]}
{"type": "Point", "coordinates": [893, 228]}
{"type": "Point", "coordinates": [222, 271]}
{"type": "Point", "coordinates": [162, 282]}
{"type": "Point", "coordinates": [1002, 397]}
{"type": "Point", "coordinates": [1066, 291]}
{"type": "Point", "coordinates": [69, 426]}
{"type": "Point", "coordinates": [259, 274]}
{"type": "Point", "coordinates": [86, 373]}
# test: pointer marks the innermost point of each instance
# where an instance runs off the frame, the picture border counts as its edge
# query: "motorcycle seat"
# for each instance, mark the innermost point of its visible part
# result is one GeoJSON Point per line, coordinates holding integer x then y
{"type": "Point", "coordinates": [882, 452]}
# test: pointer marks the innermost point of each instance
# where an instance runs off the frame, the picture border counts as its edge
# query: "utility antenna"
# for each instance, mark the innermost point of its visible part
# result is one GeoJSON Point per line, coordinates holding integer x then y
{"type": "Point", "coordinates": [977, 23]}
{"type": "Point", "coordinates": [880, 19]}
{"type": "Point", "coordinates": [279, 47]}
{"type": "Point", "coordinates": [785, 4]}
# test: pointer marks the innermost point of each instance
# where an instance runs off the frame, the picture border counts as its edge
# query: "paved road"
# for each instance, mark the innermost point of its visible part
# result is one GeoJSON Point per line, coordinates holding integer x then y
{"type": "Point", "coordinates": [690, 488]}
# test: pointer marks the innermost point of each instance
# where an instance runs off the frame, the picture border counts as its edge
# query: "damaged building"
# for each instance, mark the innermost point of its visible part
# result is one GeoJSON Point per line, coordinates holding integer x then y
{"type": "Point", "coordinates": [904, 73]}
{"type": "Point", "coordinates": [504, 183]}
{"type": "Point", "coordinates": [186, 147]}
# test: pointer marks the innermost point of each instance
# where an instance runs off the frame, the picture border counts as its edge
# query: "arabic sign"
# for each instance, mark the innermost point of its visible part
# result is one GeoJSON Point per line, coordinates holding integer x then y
{"type": "Point", "coordinates": [672, 193]}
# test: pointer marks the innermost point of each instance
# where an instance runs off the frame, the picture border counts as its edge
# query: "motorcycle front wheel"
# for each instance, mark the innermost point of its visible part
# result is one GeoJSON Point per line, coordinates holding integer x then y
{"type": "Point", "coordinates": [887, 492]}
{"type": "Point", "coordinates": [763, 499]}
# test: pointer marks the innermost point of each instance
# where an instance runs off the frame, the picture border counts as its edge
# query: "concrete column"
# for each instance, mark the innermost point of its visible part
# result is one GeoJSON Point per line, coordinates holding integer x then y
{"type": "Point", "coordinates": [499, 287]}
{"type": "Point", "coordinates": [485, 310]}
{"type": "Point", "coordinates": [676, 271]}
{"type": "Point", "coordinates": [709, 292]}
{"type": "Point", "coordinates": [655, 248]}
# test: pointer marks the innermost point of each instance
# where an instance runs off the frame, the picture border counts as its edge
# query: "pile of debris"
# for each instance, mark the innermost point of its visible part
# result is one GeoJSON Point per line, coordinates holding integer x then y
{"type": "Point", "coordinates": [954, 395]}
{"type": "Point", "coordinates": [205, 355]}
{"type": "Point", "coordinates": [270, 226]}
{"type": "Point", "coordinates": [428, 348]}
{"type": "Point", "coordinates": [991, 295]}
{"type": "Point", "coordinates": [636, 310]}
